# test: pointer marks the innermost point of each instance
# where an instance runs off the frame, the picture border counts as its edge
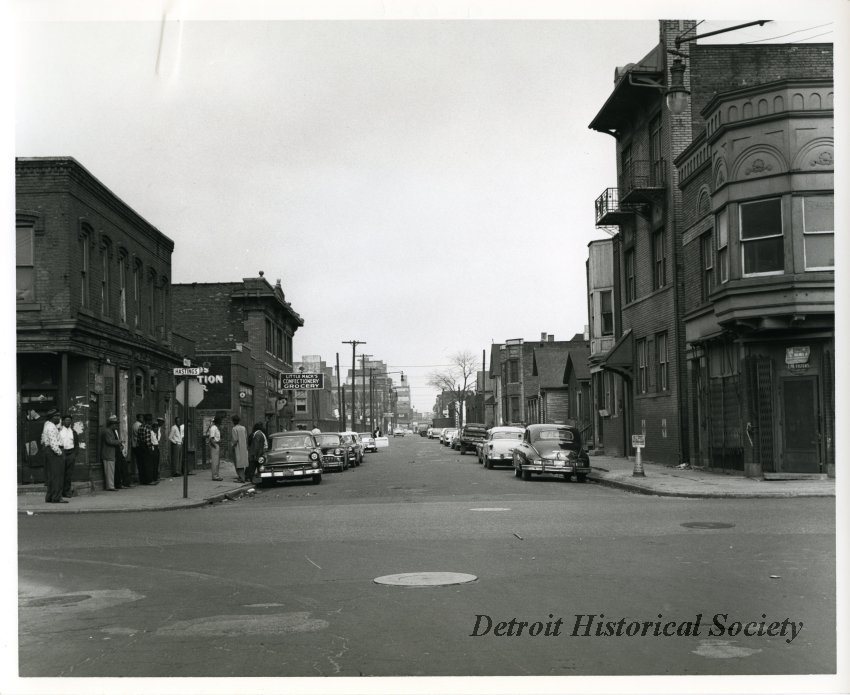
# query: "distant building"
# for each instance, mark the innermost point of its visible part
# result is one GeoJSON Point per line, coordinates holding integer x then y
{"type": "Point", "coordinates": [243, 334]}
{"type": "Point", "coordinates": [94, 323]}
{"type": "Point", "coordinates": [317, 407]}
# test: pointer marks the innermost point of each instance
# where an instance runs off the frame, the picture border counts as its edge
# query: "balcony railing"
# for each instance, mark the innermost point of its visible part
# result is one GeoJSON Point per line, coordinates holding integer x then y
{"type": "Point", "coordinates": [643, 181]}
{"type": "Point", "coordinates": [608, 209]}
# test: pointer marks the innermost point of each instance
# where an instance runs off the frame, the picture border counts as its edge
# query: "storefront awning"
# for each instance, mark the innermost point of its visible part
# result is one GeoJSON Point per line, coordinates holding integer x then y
{"type": "Point", "coordinates": [620, 357]}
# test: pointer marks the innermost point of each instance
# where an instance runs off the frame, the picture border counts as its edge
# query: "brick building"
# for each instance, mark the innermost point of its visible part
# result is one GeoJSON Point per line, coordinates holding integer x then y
{"type": "Point", "coordinates": [758, 245]}
{"type": "Point", "coordinates": [649, 214]}
{"type": "Point", "coordinates": [317, 407]}
{"type": "Point", "coordinates": [243, 335]}
{"type": "Point", "coordinates": [94, 321]}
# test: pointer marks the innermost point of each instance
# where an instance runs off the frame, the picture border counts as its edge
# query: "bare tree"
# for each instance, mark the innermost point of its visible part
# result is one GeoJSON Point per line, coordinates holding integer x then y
{"type": "Point", "coordinates": [457, 379]}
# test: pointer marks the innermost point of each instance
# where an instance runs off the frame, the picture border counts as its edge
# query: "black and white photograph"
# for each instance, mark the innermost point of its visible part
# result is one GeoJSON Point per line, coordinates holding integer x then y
{"type": "Point", "coordinates": [415, 347]}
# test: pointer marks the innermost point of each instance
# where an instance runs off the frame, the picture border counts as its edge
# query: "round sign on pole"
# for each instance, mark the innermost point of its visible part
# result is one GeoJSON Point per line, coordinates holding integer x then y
{"type": "Point", "coordinates": [196, 393]}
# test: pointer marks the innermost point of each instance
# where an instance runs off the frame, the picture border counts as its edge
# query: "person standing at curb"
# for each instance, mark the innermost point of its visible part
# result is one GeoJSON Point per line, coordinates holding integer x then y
{"type": "Point", "coordinates": [156, 440]}
{"type": "Point", "coordinates": [138, 450]}
{"type": "Point", "coordinates": [70, 445]}
{"type": "Point", "coordinates": [175, 440]}
{"type": "Point", "coordinates": [146, 458]}
{"type": "Point", "coordinates": [110, 443]}
{"type": "Point", "coordinates": [257, 447]}
{"type": "Point", "coordinates": [54, 460]}
{"type": "Point", "coordinates": [240, 448]}
{"type": "Point", "coordinates": [214, 438]}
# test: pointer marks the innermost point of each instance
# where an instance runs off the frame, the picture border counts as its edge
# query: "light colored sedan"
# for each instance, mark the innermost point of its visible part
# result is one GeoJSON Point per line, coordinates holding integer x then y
{"type": "Point", "coordinates": [368, 441]}
{"type": "Point", "coordinates": [498, 447]}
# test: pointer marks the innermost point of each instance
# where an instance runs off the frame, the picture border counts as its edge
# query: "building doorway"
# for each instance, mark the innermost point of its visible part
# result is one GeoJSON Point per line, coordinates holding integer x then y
{"type": "Point", "coordinates": [800, 425]}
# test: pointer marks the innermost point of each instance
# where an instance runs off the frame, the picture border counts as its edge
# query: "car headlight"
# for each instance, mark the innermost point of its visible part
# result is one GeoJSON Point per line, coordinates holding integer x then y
{"type": "Point", "coordinates": [337, 452]}
{"type": "Point", "coordinates": [314, 456]}
{"type": "Point", "coordinates": [261, 460]}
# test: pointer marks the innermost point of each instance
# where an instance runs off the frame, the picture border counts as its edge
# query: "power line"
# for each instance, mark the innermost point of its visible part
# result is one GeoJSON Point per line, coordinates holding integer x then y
{"type": "Point", "coordinates": [809, 38]}
{"type": "Point", "coordinates": [790, 33]}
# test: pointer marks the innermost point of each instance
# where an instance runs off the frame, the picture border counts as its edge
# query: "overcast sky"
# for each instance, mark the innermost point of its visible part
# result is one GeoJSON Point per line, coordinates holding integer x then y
{"type": "Point", "coordinates": [424, 186]}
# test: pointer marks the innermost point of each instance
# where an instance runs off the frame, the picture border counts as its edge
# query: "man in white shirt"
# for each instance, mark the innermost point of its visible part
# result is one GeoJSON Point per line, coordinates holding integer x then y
{"type": "Point", "coordinates": [68, 437]}
{"type": "Point", "coordinates": [214, 438]}
{"type": "Point", "coordinates": [54, 460]}
{"type": "Point", "coordinates": [175, 442]}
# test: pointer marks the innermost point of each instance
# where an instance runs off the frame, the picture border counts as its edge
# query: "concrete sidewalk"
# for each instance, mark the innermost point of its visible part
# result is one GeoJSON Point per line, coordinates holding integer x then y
{"type": "Point", "coordinates": [168, 494]}
{"type": "Point", "coordinates": [676, 482]}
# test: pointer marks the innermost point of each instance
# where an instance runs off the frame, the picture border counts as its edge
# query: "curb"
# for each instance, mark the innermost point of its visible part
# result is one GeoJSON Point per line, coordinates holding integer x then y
{"type": "Point", "coordinates": [643, 490]}
{"type": "Point", "coordinates": [234, 494]}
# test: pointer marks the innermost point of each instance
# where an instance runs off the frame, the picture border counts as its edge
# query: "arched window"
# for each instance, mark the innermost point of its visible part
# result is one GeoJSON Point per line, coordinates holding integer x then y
{"type": "Point", "coordinates": [137, 294]}
{"type": "Point", "coordinates": [85, 270]}
{"type": "Point", "coordinates": [105, 248]}
{"type": "Point", "coordinates": [122, 286]}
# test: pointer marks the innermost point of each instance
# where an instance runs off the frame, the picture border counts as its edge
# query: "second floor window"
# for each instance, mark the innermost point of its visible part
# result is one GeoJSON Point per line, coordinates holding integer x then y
{"type": "Point", "coordinates": [606, 301]}
{"type": "Point", "coordinates": [819, 232]}
{"type": "Point", "coordinates": [513, 371]}
{"type": "Point", "coordinates": [631, 294]}
{"type": "Point", "coordinates": [762, 242]}
{"type": "Point", "coordinates": [269, 337]}
{"type": "Point", "coordinates": [24, 264]}
{"type": "Point", "coordinates": [122, 289]}
{"type": "Point", "coordinates": [722, 225]}
{"type": "Point", "coordinates": [640, 347]}
{"type": "Point", "coordinates": [84, 271]}
{"type": "Point", "coordinates": [137, 294]}
{"type": "Point", "coordinates": [104, 280]}
{"type": "Point", "coordinates": [662, 368]}
{"type": "Point", "coordinates": [707, 266]}
{"type": "Point", "coordinates": [659, 262]}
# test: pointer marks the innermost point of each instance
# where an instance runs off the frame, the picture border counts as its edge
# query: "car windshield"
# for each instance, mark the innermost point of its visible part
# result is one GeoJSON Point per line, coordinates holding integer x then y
{"type": "Point", "coordinates": [555, 435]}
{"type": "Point", "coordinates": [366, 435]}
{"type": "Point", "coordinates": [328, 439]}
{"type": "Point", "coordinates": [292, 441]}
{"type": "Point", "coordinates": [347, 438]}
{"type": "Point", "coordinates": [506, 435]}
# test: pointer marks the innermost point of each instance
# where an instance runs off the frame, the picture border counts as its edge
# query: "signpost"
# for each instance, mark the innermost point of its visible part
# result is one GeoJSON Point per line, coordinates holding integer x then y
{"type": "Point", "coordinates": [188, 399]}
{"type": "Point", "coordinates": [638, 442]}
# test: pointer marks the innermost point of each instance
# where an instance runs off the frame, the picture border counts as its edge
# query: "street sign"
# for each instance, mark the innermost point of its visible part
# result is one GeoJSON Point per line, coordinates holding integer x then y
{"type": "Point", "coordinates": [638, 440]}
{"type": "Point", "coordinates": [302, 381]}
{"type": "Point", "coordinates": [188, 371]}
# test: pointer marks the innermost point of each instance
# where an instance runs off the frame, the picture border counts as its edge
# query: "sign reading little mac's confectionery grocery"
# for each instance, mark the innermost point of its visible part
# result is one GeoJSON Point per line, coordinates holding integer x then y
{"type": "Point", "coordinates": [302, 381]}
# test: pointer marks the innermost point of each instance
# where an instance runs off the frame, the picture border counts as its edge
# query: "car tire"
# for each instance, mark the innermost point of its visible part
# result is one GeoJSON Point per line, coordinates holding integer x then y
{"type": "Point", "coordinates": [568, 477]}
{"type": "Point", "coordinates": [488, 464]}
{"type": "Point", "coordinates": [526, 475]}
{"type": "Point", "coordinates": [517, 472]}
{"type": "Point", "coordinates": [581, 477]}
{"type": "Point", "coordinates": [462, 450]}
{"type": "Point", "coordinates": [317, 479]}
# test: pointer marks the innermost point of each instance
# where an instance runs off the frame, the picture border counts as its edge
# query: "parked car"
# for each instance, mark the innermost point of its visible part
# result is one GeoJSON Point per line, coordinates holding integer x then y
{"type": "Point", "coordinates": [398, 432]}
{"type": "Point", "coordinates": [553, 450]}
{"type": "Point", "coordinates": [498, 446]}
{"type": "Point", "coordinates": [368, 441]}
{"type": "Point", "coordinates": [351, 441]}
{"type": "Point", "coordinates": [291, 456]}
{"type": "Point", "coordinates": [434, 432]}
{"type": "Point", "coordinates": [454, 440]}
{"type": "Point", "coordinates": [446, 436]}
{"type": "Point", "coordinates": [333, 450]}
{"type": "Point", "coordinates": [470, 434]}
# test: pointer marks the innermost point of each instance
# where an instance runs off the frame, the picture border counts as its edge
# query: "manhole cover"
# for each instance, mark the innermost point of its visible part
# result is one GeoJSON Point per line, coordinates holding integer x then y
{"type": "Point", "coordinates": [425, 579]}
{"type": "Point", "coordinates": [57, 600]}
{"type": "Point", "coordinates": [707, 524]}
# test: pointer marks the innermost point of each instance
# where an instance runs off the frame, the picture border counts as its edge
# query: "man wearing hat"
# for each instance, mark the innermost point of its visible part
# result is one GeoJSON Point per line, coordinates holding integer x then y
{"type": "Point", "coordinates": [147, 452]}
{"type": "Point", "coordinates": [54, 459]}
{"type": "Point", "coordinates": [156, 438]}
{"type": "Point", "coordinates": [110, 444]}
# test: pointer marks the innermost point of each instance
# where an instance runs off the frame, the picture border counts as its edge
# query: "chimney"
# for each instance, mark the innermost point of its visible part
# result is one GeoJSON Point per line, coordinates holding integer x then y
{"type": "Point", "coordinates": [551, 337]}
{"type": "Point", "coordinates": [543, 337]}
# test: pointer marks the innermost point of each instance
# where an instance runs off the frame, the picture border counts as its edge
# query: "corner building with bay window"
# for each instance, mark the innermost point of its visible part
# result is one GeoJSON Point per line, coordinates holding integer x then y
{"type": "Point", "coordinates": [722, 254]}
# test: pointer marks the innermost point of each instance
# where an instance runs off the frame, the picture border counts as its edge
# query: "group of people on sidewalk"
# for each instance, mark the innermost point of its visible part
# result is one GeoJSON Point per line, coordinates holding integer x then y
{"type": "Point", "coordinates": [246, 449]}
{"type": "Point", "coordinates": [61, 443]}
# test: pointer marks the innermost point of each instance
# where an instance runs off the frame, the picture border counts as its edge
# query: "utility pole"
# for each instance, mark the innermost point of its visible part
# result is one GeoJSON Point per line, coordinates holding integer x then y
{"type": "Point", "coordinates": [371, 402]}
{"type": "Point", "coordinates": [354, 344]}
{"type": "Point", "coordinates": [340, 399]}
{"type": "Point", "coordinates": [363, 391]}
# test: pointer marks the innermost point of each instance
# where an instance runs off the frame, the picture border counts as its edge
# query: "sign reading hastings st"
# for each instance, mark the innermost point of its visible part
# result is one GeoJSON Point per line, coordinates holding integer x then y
{"type": "Point", "coordinates": [302, 381]}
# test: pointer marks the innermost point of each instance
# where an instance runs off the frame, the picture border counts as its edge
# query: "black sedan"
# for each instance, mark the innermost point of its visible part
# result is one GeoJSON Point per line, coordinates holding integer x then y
{"type": "Point", "coordinates": [291, 456]}
{"type": "Point", "coordinates": [552, 450]}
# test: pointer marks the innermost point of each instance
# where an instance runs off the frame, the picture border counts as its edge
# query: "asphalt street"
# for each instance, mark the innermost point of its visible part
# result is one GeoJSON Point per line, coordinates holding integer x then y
{"type": "Point", "coordinates": [282, 583]}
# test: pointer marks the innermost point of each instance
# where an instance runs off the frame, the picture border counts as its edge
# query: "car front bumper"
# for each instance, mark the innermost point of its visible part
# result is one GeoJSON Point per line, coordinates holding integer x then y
{"type": "Point", "coordinates": [556, 467]}
{"type": "Point", "coordinates": [281, 473]}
